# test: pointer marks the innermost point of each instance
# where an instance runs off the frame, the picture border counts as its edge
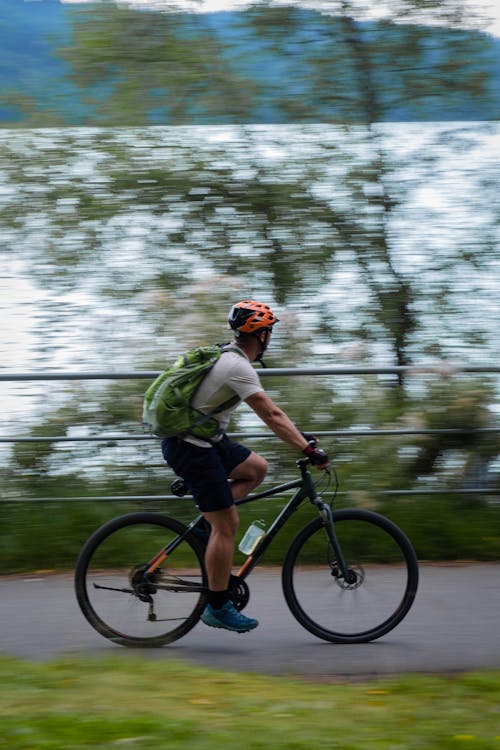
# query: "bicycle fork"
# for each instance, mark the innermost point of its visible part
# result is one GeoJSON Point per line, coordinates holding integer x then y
{"type": "Point", "coordinates": [342, 570]}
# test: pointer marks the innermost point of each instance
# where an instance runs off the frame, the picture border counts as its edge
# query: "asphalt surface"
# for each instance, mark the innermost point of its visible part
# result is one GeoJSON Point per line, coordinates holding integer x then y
{"type": "Point", "coordinates": [454, 626]}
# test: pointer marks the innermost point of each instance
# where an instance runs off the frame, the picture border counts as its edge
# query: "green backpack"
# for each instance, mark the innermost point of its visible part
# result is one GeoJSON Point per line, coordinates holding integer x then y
{"type": "Point", "coordinates": [167, 409]}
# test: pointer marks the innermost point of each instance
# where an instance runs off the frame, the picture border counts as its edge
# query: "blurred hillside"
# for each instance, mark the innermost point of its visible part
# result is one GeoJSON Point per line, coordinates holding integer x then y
{"type": "Point", "coordinates": [64, 65]}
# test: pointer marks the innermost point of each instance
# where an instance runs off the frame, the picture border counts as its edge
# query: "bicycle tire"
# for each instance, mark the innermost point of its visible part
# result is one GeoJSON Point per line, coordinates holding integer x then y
{"type": "Point", "coordinates": [110, 559]}
{"type": "Point", "coordinates": [385, 569]}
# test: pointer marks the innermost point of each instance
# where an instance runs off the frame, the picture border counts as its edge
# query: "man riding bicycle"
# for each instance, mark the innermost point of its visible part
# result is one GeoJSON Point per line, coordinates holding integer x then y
{"type": "Point", "coordinates": [221, 471]}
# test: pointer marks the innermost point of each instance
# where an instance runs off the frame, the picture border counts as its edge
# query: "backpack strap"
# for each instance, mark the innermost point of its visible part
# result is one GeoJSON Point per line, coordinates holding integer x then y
{"type": "Point", "coordinates": [229, 347]}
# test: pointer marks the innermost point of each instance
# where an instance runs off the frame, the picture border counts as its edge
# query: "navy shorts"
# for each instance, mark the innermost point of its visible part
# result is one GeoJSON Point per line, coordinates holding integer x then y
{"type": "Point", "coordinates": [206, 470]}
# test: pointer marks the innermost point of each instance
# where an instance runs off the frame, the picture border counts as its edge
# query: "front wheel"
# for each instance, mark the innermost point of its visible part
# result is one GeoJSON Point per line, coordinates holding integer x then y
{"type": "Point", "coordinates": [124, 605]}
{"type": "Point", "coordinates": [378, 591]}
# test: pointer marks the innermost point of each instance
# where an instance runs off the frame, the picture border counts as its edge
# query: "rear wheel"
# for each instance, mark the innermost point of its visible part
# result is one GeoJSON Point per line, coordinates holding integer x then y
{"type": "Point", "coordinates": [116, 597]}
{"type": "Point", "coordinates": [380, 587]}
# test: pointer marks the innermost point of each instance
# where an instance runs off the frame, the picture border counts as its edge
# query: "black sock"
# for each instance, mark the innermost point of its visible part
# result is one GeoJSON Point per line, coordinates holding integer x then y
{"type": "Point", "coordinates": [217, 599]}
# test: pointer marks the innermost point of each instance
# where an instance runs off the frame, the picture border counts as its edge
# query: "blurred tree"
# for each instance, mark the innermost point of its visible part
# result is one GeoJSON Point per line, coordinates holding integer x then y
{"type": "Point", "coordinates": [139, 67]}
{"type": "Point", "coordinates": [370, 71]}
{"type": "Point", "coordinates": [124, 213]}
{"type": "Point", "coordinates": [463, 408]}
{"type": "Point", "coordinates": [422, 60]}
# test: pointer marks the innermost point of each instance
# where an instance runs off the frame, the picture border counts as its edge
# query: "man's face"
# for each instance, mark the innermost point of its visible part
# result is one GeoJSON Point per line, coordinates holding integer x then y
{"type": "Point", "coordinates": [265, 336]}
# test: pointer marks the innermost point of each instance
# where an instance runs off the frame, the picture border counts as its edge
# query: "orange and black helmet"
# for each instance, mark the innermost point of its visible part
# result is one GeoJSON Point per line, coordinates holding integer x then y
{"type": "Point", "coordinates": [250, 316]}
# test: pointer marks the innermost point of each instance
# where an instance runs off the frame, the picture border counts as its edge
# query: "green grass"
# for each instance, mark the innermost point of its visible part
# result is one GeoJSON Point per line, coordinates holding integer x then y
{"type": "Point", "coordinates": [128, 702]}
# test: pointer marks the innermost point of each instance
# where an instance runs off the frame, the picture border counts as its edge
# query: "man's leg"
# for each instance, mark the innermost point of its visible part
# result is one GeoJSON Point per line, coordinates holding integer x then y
{"type": "Point", "coordinates": [224, 523]}
{"type": "Point", "coordinates": [247, 476]}
{"type": "Point", "coordinates": [220, 548]}
{"type": "Point", "coordinates": [220, 611]}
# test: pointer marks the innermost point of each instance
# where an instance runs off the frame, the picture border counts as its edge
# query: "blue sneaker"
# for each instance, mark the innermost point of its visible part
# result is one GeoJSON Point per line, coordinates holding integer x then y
{"type": "Point", "coordinates": [228, 618]}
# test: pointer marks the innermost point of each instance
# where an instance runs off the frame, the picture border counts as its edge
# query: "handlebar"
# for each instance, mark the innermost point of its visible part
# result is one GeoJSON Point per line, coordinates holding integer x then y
{"type": "Point", "coordinates": [302, 463]}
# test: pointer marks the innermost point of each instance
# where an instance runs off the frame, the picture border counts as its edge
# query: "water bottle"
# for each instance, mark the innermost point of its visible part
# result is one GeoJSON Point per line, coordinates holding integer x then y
{"type": "Point", "coordinates": [252, 537]}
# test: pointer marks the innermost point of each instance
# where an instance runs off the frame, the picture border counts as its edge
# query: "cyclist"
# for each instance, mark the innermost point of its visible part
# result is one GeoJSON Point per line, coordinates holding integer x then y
{"type": "Point", "coordinates": [221, 471]}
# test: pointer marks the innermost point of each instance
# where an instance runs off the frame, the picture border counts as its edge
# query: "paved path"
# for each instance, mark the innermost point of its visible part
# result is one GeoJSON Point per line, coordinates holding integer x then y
{"type": "Point", "coordinates": [454, 626]}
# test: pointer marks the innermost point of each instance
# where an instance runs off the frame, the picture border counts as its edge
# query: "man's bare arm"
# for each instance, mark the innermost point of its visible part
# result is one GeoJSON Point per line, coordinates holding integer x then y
{"type": "Point", "coordinates": [276, 420]}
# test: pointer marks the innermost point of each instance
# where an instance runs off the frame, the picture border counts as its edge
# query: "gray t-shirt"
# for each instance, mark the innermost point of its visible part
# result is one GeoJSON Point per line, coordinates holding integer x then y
{"type": "Point", "coordinates": [232, 374]}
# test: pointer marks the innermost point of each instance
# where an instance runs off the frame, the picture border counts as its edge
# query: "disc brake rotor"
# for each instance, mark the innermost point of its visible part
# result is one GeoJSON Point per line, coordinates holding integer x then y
{"type": "Point", "coordinates": [356, 576]}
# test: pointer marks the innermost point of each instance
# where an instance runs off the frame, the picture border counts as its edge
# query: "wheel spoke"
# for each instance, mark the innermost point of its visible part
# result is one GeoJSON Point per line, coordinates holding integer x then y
{"type": "Point", "coordinates": [115, 560]}
{"type": "Point", "coordinates": [112, 588]}
{"type": "Point", "coordinates": [380, 588]}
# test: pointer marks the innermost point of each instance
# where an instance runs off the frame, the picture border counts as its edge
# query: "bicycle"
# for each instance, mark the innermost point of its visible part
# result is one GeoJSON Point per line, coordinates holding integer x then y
{"type": "Point", "coordinates": [348, 576]}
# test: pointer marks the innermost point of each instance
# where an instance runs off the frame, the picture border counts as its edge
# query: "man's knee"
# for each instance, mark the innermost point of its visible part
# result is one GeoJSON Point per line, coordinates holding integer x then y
{"type": "Point", "coordinates": [224, 522]}
{"type": "Point", "coordinates": [254, 469]}
{"type": "Point", "coordinates": [261, 467]}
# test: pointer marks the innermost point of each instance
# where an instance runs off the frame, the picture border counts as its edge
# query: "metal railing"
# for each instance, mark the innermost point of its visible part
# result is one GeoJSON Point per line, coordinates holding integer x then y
{"type": "Point", "coordinates": [442, 369]}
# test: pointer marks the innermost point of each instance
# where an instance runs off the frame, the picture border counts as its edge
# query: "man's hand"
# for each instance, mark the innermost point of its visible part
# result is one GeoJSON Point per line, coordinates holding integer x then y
{"type": "Point", "coordinates": [310, 437]}
{"type": "Point", "coordinates": [317, 456]}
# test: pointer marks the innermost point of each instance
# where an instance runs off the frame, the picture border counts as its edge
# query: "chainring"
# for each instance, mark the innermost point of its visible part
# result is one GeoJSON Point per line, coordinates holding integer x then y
{"type": "Point", "coordinates": [240, 593]}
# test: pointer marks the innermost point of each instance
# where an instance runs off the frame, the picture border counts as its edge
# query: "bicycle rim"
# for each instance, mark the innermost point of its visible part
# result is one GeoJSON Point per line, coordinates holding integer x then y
{"type": "Point", "coordinates": [110, 586]}
{"type": "Point", "coordinates": [384, 573]}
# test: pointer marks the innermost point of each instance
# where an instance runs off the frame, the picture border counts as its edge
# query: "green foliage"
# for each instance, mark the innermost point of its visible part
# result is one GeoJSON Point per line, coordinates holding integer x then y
{"type": "Point", "coordinates": [42, 536]}
{"type": "Point", "coordinates": [462, 408]}
{"type": "Point", "coordinates": [136, 65]}
{"type": "Point", "coordinates": [449, 527]}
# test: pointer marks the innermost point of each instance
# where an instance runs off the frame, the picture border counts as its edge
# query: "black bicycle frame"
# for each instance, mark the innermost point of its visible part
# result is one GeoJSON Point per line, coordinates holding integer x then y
{"type": "Point", "coordinates": [306, 489]}
{"type": "Point", "coordinates": [278, 523]}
